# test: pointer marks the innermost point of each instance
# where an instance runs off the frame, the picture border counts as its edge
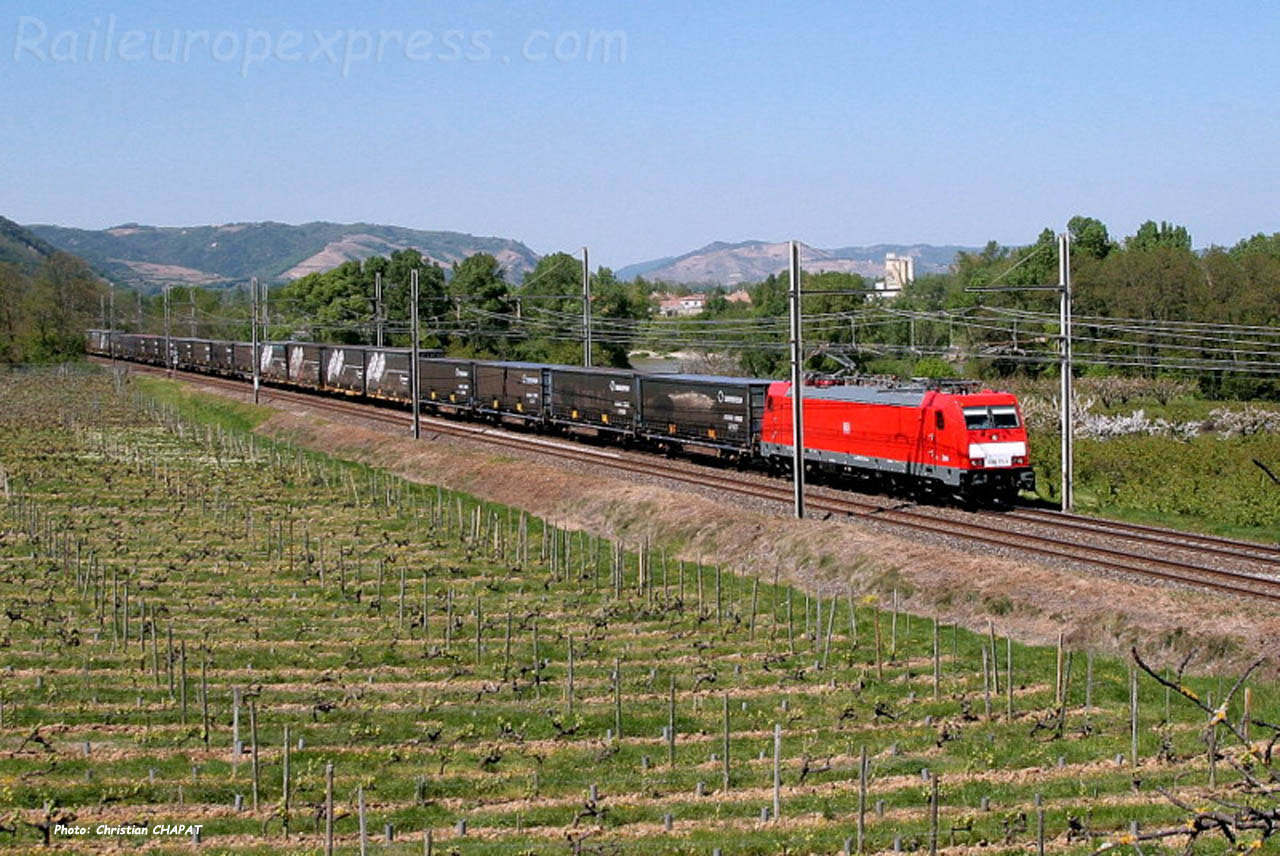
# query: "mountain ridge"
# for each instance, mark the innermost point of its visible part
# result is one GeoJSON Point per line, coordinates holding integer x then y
{"type": "Point", "coordinates": [146, 257]}
{"type": "Point", "coordinates": [731, 263]}
{"type": "Point", "coordinates": [20, 246]}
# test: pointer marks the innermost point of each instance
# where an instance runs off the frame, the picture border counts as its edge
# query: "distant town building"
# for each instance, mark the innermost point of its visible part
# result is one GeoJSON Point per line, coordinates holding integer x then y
{"type": "Point", "coordinates": [739, 296]}
{"type": "Point", "coordinates": [899, 272]}
{"type": "Point", "coordinates": [684, 304]}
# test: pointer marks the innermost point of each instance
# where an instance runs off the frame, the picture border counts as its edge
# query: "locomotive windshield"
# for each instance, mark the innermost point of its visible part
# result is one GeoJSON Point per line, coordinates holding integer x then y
{"type": "Point", "coordinates": [982, 418]}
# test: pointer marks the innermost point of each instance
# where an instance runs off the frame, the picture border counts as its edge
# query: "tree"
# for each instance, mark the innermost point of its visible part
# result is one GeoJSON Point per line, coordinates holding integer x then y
{"type": "Point", "coordinates": [60, 303]}
{"type": "Point", "coordinates": [1089, 236]}
{"type": "Point", "coordinates": [481, 300]}
{"type": "Point", "coordinates": [1149, 236]}
{"type": "Point", "coordinates": [619, 308]}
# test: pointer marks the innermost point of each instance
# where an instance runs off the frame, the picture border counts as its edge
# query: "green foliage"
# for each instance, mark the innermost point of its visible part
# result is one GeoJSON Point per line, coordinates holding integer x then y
{"type": "Point", "coordinates": [1089, 236]}
{"type": "Point", "coordinates": [339, 305]}
{"type": "Point", "coordinates": [932, 367]}
{"type": "Point", "coordinates": [1150, 236]}
{"type": "Point", "coordinates": [44, 312]}
{"type": "Point", "coordinates": [1208, 482]}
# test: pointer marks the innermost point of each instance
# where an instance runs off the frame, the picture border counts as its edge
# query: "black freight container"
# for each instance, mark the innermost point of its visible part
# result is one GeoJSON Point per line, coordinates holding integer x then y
{"type": "Point", "coordinates": [446, 382]}
{"type": "Point", "coordinates": [242, 358]}
{"type": "Point", "coordinates": [511, 389]}
{"type": "Point", "coordinates": [304, 364]}
{"type": "Point", "coordinates": [387, 374]}
{"type": "Point", "coordinates": [273, 363]}
{"type": "Point", "coordinates": [222, 356]}
{"type": "Point", "coordinates": [344, 368]}
{"type": "Point", "coordinates": [184, 352]}
{"type": "Point", "coordinates": [606, 399]}
{"type": "Point", "coordinates": [201, 353]}
{"type": "Point", "coordinates": [723, 412]}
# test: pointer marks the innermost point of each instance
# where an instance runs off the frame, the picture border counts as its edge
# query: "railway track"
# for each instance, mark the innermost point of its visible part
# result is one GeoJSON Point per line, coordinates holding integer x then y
{"type": "Point", "coordinates": [1187, 559]}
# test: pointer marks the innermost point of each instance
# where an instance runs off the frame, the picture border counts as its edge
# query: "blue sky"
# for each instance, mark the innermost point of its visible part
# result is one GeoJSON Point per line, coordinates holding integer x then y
{"type": "Point", "coordinates": [835, 123]}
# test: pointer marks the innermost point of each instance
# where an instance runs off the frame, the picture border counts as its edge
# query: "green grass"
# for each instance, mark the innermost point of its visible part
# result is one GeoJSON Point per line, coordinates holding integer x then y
{"type": "Point", "coordinates": [203, 409]}
{"type": "Point", "coordinates": [280, 572]}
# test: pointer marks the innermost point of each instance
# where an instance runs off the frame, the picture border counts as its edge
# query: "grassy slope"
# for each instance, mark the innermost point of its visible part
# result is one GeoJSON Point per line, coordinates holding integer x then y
{"type": "Point", "coordinates": [283, 571]}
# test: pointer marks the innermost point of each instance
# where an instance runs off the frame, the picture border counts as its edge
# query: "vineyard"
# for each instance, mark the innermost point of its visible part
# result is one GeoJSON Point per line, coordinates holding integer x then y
{"type": "Point", "coordinates": [298, 654]}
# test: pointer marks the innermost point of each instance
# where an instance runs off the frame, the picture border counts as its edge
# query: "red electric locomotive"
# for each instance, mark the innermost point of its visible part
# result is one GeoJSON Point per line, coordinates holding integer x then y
{"type": "Point", "coordinates": [971, 444]}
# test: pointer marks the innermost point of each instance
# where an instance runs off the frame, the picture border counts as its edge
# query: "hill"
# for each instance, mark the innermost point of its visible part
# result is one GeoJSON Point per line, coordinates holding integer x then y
{"type": "Point", "coordinates": [145, 257]}
{"type": "Point", "coordinates": [20, 247]}
{"type": "Point", "coordinates": [723, 263]}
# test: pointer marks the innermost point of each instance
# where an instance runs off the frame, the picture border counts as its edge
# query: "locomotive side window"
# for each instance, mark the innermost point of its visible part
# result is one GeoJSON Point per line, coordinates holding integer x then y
{"type": "Point", "coordinates": [939, 421]}
{"type": "Point", "coordinates": [983, 418]}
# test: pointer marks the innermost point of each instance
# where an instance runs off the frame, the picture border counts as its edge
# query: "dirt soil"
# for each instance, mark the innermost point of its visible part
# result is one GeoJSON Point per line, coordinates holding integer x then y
{"type": "Point", "coordinates": [1029, 601]}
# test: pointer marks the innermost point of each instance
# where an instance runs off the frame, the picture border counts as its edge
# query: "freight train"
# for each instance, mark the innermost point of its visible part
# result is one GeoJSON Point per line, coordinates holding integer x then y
{"type": "Point", "coordinates": [915, 438]}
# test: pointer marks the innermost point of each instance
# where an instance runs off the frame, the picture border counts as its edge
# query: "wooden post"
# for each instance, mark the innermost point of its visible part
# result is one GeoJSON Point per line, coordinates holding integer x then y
{"type": "Point", "coordinates": [284, 789]}
{"type": "Point", "coordinates": [253, 737]}
{"type": "Point", "coordinates": [1248, 713]}
{"type": "Point", "coordinates": [933, 814]}
{"type": "Point", "coordinates": [1133, 716]}
{"type": "Point", "coordinates": [1213, 746]}
{"type": "Point", "coordinates": [617, 697]}
{"type": "Point", "coordinates": [1008, 657]}
{"type": "Point", "coordinates": [506, 649]}
{"type": "Point", "coordinates": [328, 809]}
{"type": "Point", "coordinates": [364, 829]}
{"type": "Point", "coordinates": [726, 743]}
{"type": "Point", "coordinates": [777, 771]}
{"type": "Point", "coordinates": [719, 610]}
{"type": "Point", "coordinates": [791, 628]}
{"type": "Point", "coordinates": [937, 662]}
{"type": "Point", "coordinates": [1057, 686]}
{"type": "Point", "coordinates": [204, 700]}
{"type": "Point", "coordinates": [1039, 825]}
{"type": "Point", "coordinates": [893, 629]}
{"type": "Point", "coordinates": [879, 658]}
{"type": "Point", "coordinates": [862, 799]}
{"type": "Point", "coordinates": [569, 688]}
{"type": "Point", "coordinates": [995, 661]}
{"type": "Point", "coordinates": [986, 682]}
{"type": "Point", "coordinates": [235, 730]}
{"type": "Point", "coordinates": [671, 724]}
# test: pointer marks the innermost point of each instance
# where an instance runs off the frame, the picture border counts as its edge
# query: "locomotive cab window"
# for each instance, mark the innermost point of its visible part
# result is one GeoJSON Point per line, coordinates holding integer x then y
{"type": "Point", "coordinates": [983, 418]}
{"type": "Point", "coordinates": [939, 421]}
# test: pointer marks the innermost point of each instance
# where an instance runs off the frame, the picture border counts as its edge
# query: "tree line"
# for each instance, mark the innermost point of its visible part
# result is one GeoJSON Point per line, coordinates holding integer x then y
{"type": "Point", "coordinates": [472, 309]}
{"type": "Point", "coordinates": [46, 307]}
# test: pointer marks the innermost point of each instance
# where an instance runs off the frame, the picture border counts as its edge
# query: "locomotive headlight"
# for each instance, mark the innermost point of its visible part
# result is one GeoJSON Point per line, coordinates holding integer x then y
{"type": "Point", "coordinates": [977, 463]}
{"type": "Point", "coordinates": [1019, 460]}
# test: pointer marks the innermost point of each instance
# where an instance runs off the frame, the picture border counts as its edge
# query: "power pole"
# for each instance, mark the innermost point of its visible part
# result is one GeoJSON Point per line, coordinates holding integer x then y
{"type": "Point", "coordinates": [168, 345]}
{"type": "Point", "coordinates": [192, 293]}
{"type": "Point", "coordinates": [797, 384]}
{"type": "Point", "coordinates": [253, 323]}
{"type": "Point", "coordinates": [413, 364]}
{"type": "Point", "coordinates": [111, 323]}
{"type": "Point", "coordinates": [377, 308]}
{"type": "Point", "coordinates": [1068, 440]}
{"type": "Point", "coordinates": [1063, 289]}
{"type": "Point", "coordinates": [586, 310]}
